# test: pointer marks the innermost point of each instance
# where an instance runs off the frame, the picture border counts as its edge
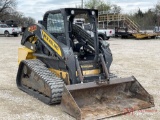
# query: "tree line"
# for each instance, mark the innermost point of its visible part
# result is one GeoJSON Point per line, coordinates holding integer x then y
{"type": "Point", "coordinates": [8, 12]}
{"type": "Point", "coordinates": [101, 6]}
{"type": "Point", "coordinates": [146, 20]}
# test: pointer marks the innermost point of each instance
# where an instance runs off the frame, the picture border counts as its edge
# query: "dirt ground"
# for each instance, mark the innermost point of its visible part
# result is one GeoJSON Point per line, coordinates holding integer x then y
{"type": "Point", "coordinates": [140, 58]}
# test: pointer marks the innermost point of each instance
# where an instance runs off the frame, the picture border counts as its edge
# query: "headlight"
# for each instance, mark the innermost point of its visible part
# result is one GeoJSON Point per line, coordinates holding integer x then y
{"type": "Point", "coordinates": [72, 12]}
{"type": "Point", "coordinates": [93, 12]}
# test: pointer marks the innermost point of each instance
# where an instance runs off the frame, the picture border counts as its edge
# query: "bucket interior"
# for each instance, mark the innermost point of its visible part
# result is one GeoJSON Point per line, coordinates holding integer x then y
{"type": "Point", "coordinates": [111, 100]}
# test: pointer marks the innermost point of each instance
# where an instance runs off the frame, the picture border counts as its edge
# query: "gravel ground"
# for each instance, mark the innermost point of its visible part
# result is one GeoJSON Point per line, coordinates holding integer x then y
{"type": "Point", "coordinates": [131, 57]}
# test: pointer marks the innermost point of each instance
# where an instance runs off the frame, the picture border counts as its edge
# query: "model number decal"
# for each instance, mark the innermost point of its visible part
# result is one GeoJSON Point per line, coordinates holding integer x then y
{"type": "Point", "coordinates": [51, 43]}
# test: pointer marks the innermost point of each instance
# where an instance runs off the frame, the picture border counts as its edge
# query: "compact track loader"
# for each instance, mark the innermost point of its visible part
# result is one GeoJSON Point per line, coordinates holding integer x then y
{"type": "Point", "coordinates": [61, 62]}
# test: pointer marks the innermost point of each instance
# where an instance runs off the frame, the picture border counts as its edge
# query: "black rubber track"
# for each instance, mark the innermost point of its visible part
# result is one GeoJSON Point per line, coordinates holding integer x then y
{"type": "Point", "coordinates": [55, 83]}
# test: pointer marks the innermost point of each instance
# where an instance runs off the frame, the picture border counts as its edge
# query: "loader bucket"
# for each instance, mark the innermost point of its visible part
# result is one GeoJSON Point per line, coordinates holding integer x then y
{"type": "Point", "coordinates": [92, 101]}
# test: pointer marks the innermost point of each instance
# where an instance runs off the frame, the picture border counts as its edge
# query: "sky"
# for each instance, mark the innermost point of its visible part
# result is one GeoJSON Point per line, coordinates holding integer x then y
{"type": "Point", "coordinates": [37, 8]}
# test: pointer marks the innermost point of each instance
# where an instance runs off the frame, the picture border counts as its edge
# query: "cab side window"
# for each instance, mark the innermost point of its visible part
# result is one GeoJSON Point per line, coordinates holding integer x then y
{"type": "Point", "coordinates": [55, 23]}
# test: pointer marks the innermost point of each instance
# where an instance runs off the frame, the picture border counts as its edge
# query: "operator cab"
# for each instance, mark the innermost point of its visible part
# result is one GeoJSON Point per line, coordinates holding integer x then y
{"type": "Point", "coordinates": [66, 25]}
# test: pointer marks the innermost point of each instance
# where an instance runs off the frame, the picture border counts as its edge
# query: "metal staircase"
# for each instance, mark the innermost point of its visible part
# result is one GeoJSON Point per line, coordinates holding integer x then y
{"type": "Point", "coordinates": [106, 17]}
{"type": "Point", "coordinates": [131, 24]}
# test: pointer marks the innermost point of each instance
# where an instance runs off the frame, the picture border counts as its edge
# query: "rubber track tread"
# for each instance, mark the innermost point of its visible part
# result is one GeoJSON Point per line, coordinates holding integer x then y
{"type": "Point", "coordinates": [55, 83]}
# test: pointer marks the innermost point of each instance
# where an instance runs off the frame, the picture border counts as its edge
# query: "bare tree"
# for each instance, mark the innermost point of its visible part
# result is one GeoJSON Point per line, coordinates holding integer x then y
{"type": "Point", "coordinates": [116, 8]}
{"type": "Point", "coordinates": [103, 6]}
{"type": "Point", "coordinates": [93, 4]}
{"type": "Point", "coordinates": [8, 12]}
{"type": "Point", "coordinates": [6, 6]}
